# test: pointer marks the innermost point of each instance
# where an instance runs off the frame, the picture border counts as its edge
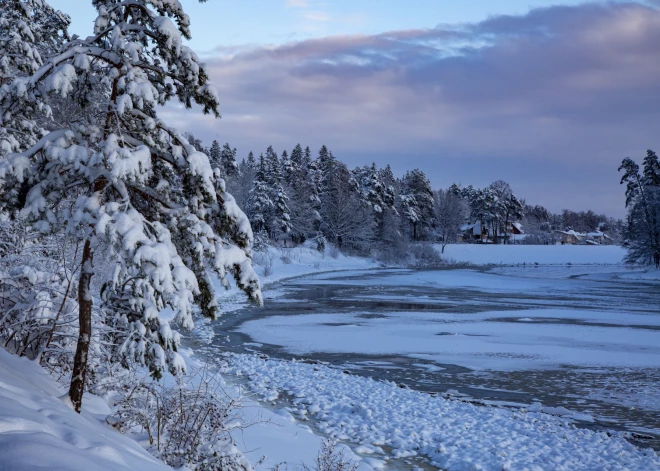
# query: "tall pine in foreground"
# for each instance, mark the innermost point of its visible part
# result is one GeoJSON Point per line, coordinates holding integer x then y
{"type": "Point", "coordinates": [130, 188]}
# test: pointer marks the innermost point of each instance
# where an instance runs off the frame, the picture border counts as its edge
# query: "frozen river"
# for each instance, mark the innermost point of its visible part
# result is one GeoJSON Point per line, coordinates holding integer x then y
{"type": "Point", "coordinates": [582, 342]}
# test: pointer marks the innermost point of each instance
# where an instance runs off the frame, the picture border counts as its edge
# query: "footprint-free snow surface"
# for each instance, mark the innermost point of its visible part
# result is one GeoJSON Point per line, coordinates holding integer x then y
{"type": "Point", "coordinates": [512, 345]}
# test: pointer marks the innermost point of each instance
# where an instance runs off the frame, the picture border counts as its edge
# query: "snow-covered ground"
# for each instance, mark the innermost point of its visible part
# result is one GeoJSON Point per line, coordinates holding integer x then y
{"type": "Point", "coordinates": [38, 430]}
{"type": "Point", "coordinates": [455, 435]}
{"type": "Point", "coordinates": [486, 254]}
{"type": "Point", "coordinates": [271, 435]}
{"type": "Point", "coordinates": [380, 419]}
{"type": "Point", "coordinates": [568, 312]}
{"type": "Point", "coordinates": [280, 263]}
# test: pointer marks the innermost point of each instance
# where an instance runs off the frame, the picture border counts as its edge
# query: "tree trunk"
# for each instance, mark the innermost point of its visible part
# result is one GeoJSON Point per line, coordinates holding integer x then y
{"type": "Point", "coordinates": [85, 329]}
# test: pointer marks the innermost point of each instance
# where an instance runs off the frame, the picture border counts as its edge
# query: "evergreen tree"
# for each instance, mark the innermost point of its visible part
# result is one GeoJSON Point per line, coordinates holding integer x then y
{"type": "Point", "coordinates": [281, 214]}
{"type": "Point", "coordinates": [325, 167]}
{"type": "Point", "coordinates": [229, 166]}
{"type": "Point", "coordinates": [193, 141]}
{"type": "Point", "coordinates": [289, 170]}
{"type": "Point", "coordinates": [297, 158]}
{"type": "Point", "coordinates": [642, 234]}
{"type": "Point", "coordinates": [214, 155]}
{"type": "Point", "coordinates": [378, 196]}
{"type": "Point", "coordinates": [304, 202]}
{"type": "Point", "coordinates": [260, 204]}
{"type": "Point", "coordinates": [273, 173]}
{"type": "Point", "coordinates": [389, 225]}
{"type": "Point", "coordinates": [131, 189]}
{"type": "Point", "coordinates": [417, 202]}
{"type": "Point", "coordinates": [507, 209]}
{"type": "Point", "coordinates": [251, 161]}
{"type": "Point", "coordinates": [30, 31]}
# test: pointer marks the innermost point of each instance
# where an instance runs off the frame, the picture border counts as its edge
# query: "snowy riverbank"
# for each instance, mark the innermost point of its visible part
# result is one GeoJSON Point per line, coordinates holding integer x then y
{"type": "Point", "coordinates": [454, 435]}
{"type": "Point", "coordinates": [376, 416]}
{"type": "Point", "coordinates": [373, 416]}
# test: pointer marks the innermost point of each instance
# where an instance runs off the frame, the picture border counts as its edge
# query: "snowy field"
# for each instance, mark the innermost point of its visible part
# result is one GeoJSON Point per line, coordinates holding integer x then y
{"type": "Point", "coordinates": [482, 254]}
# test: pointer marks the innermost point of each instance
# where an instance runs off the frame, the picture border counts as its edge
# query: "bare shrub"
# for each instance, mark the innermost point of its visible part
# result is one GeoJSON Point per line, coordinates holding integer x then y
{"type": "Point", "coordinates": [331, 458]}
{"type": "Point", "coordinates": [424, 255]}
{"type": "Point", "coordinates": [286, 255]}
{"type": "Point", "coordinates": [189, 424]}
{"type": "Point", "coordinates": [334, 252]}
{"type": "Point", "coordinates": [417, 255]}
{"type": "Point", "coordinates": [265, 260]}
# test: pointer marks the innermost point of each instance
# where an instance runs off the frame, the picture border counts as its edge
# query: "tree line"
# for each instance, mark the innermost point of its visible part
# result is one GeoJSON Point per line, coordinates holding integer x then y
{"type": "Point", "coordinates": [300, 195]}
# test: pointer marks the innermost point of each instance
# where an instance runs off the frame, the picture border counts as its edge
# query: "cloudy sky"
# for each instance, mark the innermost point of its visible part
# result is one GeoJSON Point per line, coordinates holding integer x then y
{"type": "Point", "coordinates": [547, 95]}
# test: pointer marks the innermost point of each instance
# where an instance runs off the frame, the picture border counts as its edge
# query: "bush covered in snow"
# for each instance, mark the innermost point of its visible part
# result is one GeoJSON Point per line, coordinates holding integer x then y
{"type": "Point", "coordinates": [187, 424]}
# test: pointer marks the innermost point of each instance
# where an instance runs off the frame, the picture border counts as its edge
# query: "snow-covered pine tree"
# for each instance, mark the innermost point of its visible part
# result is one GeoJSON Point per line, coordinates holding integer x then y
{"type": "Point", "coordinates": [303, 203]}
{"type": "Point", "coordinates": [228, 160]}
{"type": "Point", "coordinates": [313, 175]}
{"type": "Point", "coordinates": [241, 184]}
{"type": "Point", "coordinates": [214, 155]}
{"type": "Point", "coordinates": [651, 169]}
{"type": "Point", "coordinates": [326, 164]}
{"type": "Point", "coordinates": [251, 161]}
{"type": "Point", "coordinates": [288, 170]}
{"type": "Point", "coordinates": [506, 210]}
{"type": "Point", "coordinates": [483, 206]}
{"type": "Point", "coordinates": [259, 203]}
{"type": "Point", "coordinates": [297, 158]}
{"type": "Point", "coordinates": [273, 172]}
{"type": "Point", "coordinates": [642, 234]}
{"type": "Point", "coordinates": [378, 196]}
{"type": "Point", "coordinates": [389, 228]}
{"type": "Point", "coordinates": [36, 293]}
{"type": "Point", "coordinates": [30, 31]}
{"type": "Point", "coordinates": [417, 202]}
{"type": "Point", "coordinates": [143, 197]}
{"type": "Point", "coordinates": [281, 224]}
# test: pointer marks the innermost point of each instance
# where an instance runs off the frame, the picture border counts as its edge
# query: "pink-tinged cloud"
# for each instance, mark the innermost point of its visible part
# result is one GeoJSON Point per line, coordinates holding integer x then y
{"type": "Point", "coordinates": [550, 101]}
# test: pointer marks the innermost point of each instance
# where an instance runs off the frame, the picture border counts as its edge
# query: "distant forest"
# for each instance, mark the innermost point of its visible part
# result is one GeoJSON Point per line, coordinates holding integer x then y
{"type": "Point", "coordinates": [297, 195]}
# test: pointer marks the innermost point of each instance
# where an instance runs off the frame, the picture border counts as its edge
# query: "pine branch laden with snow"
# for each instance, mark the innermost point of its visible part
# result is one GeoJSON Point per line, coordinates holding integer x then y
{"type": "Point", "coordinates": [37, 301]}
{"type": "Point", "coordinates": [144, 197]}
{"type": "Point", "coordinates": [29, 31]}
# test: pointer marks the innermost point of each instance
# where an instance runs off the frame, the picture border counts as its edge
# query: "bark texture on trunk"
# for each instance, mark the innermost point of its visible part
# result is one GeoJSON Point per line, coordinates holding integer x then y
{"type": "Point", "coordinates": [85, 329]}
